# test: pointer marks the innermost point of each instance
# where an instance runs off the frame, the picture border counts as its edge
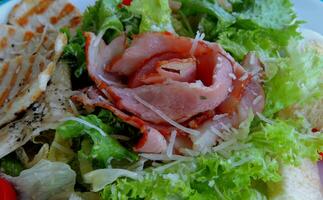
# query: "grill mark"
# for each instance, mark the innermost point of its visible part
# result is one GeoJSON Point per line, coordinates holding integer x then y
{"type": "Point", "coordinates": [4, 71]}
{"type": "Point", "coordinates": [37, 9]}
{"type": "Point", "coordinates": [11, 31]}
{"type": "Point", "coordinates": [51, 46]}
{"type": "Point", "coordinates": [12, 82]}
{"type": "Point", "coordinates": [25, 80]}
{"type": "Point", "coordinates": [68, 8]}
{"type": "Point", "coordinates": [75, 21]}
{"type": "Point", "coordinates": [3, 43]}
{"type": "Point", "coordinates": [42, 66]}
{"type": "Point", "coordinates": [40, 28]}
{"type": "Point", "coordinates": [30, 70]}
{"type": "Point", "coordinates": [28, 36]}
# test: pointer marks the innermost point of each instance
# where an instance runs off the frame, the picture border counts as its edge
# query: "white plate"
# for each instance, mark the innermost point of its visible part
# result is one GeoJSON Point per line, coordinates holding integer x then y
{"type": "Point", "coordinates": [310, 11]}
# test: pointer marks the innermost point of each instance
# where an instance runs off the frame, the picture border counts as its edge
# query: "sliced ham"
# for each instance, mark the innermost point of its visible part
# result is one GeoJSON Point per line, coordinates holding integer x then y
{"type": "Point", "coordinates": [247, 93]}
{"type": "Point", "coordinates": [188, 87]}
{"type": "Point", "coordinates": [182, 100]}
{"type": "Point", "coordinates": [146, 46]}
{"type": "Point", "coordinates": [152, 140]}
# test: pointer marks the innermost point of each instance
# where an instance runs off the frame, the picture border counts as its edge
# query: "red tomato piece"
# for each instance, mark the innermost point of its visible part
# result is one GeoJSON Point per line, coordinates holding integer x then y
{"type": "Point", "coordinates": [7, 191]}
{"type": "Point", "coordinates": [126, 2]}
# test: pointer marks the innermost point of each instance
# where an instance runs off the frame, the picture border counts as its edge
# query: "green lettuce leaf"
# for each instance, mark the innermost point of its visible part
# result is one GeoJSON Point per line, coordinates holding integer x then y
{"type": "Point", "coordinates": [296, 79]}
{"type": "Point", "coordinates": [155, 15]}
{"type": "Point", "coordinates": [266, 42]}
{"type": "Point", "coordinates": [10, 165]}
{"type": "Point", "coordinates": [238, 171]}
{"type": "Point", "coordinates": [74, 54]}
{"type": "Point", "coordinates": [266, 14]}
{"type": "Point", "coordinates": [102, 18]}
{"type": "Point", "coordinates": [254, 25]}
{"type": "Point", "coordinates": [211, 8]}
{"type": "Point", "coordinates": [105, 148]}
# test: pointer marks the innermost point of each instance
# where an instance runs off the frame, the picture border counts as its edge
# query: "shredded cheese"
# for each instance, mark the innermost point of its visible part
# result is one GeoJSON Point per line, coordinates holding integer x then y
{"type": "Point", "coordinates": [257, 100]}
{"type": "Point", "coordinates": [73, 107]}
{"type": "Point", "coordinates": [170, 147]}
{"type": "Point", "coordinates": [217, 117]}
{"type": "Point", "coordinates": [244, 76]}
{"type": "Point", "coordinates": [241, 162]}
{"type": "Point", "coordinates": [199, 36]}
{"type": "Point", "coordinates": [97, 40]}
{"type": "Point", "coordinates": [231, 75]}
{"type": "Point", "coordinates": [166, 118]}
{"type": "Point", "coordinates": [224, 145]}
{"type": "Point", "coordinates": [263, 118]}
{"type": "Point", "coordinates": [85, 123]}
{"type": "Point", "coordinates": [164, 167]}
{"type": "Point", "coordinates": [109, 82]}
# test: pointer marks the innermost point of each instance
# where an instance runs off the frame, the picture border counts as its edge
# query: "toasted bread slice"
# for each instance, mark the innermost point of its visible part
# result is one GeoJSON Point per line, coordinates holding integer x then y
{"type": "Point", "coordinates": [299, 183]}
{"type": "Point", "coordinates": [303, 182]}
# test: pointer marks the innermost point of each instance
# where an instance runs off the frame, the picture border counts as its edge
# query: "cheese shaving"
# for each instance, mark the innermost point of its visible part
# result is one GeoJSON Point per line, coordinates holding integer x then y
{"type": "Point", "coordinates": [73, 107]}
{"type": "Point", "coordinates": [224, 145]}
{"type": "Point", "coordinates": [166, 166]}
{"type": "Point", "coordinates": [217, 117]}
{"type": "Point", "coordinates": [231, 75]}
{"type": "Point", "coordinates": [98, 39]}
{"type": "Point", "coordinates": [199, 36]}
{"type": "Point", "coordinates": [257, 100]}
{"type": "Point", "coordinates": [109, 82]}
{"type": "Point", "coordinates": [244, 76]}
{"type": "Point", "coordinates": [170, 148]}
{"type": "Point", "coordinates": [166, 118]}
{"type": "Point", "coordinates": [85, 123]}
{"type": "Point", "coordinates": [263, 118]}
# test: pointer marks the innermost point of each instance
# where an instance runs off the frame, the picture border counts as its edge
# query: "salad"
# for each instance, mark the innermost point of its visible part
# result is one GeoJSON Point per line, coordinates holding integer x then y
{"type": "Point", "coordinates": [156, 99]}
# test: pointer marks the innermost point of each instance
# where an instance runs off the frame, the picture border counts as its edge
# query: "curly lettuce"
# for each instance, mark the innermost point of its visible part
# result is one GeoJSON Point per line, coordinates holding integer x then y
{"type": "Point", "coordinates": [238, 171]}
{"type": "Point", "coordinates": [242, 26]}
{"type": "Point", "coordinates": [155, 15]}
{"type": "Point", "coordinates": [296, 78]}
{"type": "Point", "coordinates": [105, 148]}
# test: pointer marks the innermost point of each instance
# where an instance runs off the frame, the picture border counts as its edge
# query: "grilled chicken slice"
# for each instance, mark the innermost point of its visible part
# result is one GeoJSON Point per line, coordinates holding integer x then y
{"type": "Point", "coordinates": [16, 41]}
{"type": "Point", "coordinates": [38, 15]}
{"type": "Point", "coordinates": [42, 115]}
{"type": "Point", "coordinates": [23, 80]}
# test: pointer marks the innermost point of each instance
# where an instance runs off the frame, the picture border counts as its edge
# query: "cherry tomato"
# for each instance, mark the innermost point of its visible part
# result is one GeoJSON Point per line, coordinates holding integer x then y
{"type": "Point", "coordinates": [7, 191]}
{"type": "Point", "coordinates": [314, 130]}
{"type": "Point", "coordinates": [126, 2]}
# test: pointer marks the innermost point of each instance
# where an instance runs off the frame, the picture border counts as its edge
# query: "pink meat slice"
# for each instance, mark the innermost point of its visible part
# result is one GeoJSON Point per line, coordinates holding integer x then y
{"type": "Point", "coordinates": [152, 140]}
{"type": "Point", "coordinates": [148, 45]}
{"type": "Point", "coordinates": [178, 100]}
